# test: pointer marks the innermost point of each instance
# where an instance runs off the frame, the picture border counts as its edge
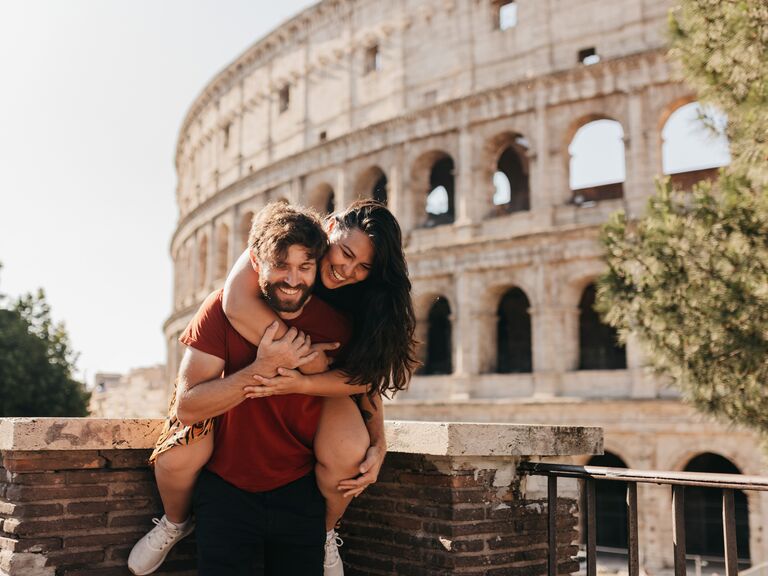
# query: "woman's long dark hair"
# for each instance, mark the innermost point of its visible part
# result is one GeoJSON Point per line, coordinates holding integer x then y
{"type": "Point", "coordinates": [381, 351]}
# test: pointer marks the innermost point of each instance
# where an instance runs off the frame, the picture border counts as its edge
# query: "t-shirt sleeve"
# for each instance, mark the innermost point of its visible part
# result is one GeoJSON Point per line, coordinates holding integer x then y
{"type": "Point", "coordinates": [207, 329]}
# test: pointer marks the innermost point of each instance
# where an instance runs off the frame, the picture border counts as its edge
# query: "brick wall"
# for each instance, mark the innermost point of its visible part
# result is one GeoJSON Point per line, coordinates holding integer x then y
{"type": "Point", "coordinates": [76, 494]}
{"type": "Point", "coordinates": [434, 515]}
{"type": "Point", "coordinates": [78, 513]}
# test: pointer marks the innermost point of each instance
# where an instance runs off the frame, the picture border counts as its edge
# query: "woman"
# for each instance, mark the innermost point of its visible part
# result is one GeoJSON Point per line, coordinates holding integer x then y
{"type": "Point", "coordinates": [363, 274]}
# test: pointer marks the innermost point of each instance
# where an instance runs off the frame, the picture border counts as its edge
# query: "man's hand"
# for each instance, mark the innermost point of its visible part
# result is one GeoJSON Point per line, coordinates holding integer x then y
{"type": "Point", "coordinates": [369, 472]}
{"type": "Point", "coordinates": [294, 349]}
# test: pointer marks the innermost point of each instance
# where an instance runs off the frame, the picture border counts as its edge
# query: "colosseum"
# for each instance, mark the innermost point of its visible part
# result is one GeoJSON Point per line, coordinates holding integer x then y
{"type": "Point", "coordinates": [478, 123]}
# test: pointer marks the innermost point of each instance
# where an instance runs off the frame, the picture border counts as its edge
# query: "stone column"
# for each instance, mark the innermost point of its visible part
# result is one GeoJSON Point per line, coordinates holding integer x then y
{"type": "Point", "coordinates": [541, 183]}
{"type": "Point", "coordinates": [551, 339]}
{"type": "Point", "coordinates": [639, 179]}
{"type": "Point", "coordinates": [466, 206]}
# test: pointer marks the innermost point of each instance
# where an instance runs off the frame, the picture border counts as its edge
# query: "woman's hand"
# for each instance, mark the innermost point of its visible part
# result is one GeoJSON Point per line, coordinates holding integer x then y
{"type": "Point", "coordinates": [286, 382]}
{"type": "Point", "coordinates": [322, 362]}
{"type": "Point", "coordinates": [369, 472]}
{"type": "Point", "coordinates": [294, 349]}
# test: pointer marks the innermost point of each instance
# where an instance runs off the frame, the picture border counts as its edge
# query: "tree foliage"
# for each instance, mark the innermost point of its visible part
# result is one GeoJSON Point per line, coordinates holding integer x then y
{"type": "Point", "coordinates": [36, 362]}
{"type": "Point", "coordinates": [690, 277]}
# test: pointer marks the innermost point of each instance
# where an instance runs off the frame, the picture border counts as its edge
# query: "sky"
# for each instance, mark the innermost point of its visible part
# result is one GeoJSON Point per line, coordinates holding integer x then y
{"type": "Point", "coordinates": [93, 95]}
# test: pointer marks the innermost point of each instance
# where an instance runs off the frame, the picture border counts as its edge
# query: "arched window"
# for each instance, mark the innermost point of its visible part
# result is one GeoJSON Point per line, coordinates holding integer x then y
{"type": "Point", "coordinates": [202, 262]}
{"type": "Point", "coordinates": [439, 340]}
{"type": "Point", "coordinates": [510, 181]}
{"type": "Point", "coordinates": [372, 184]}
{"type": "Point", "coordinates": [323, 199]}
{"type": "Point", "coordinates": [597, 165]}
{"type": "Point", "coordinates": [692, 151]}
{"type": "Point", "coordinates": [245, 228]}
{"type": "Point", "coordinates": [514, 333]}
{"type": "Point", "coordinates": [599, 346]}
{"type": "Point", "coordinates": [379, 191]}
{"type": "Point", "coordinates": [222, 251]}
{"type": "Point", "coordinates": [440, 199]}
{"type": "Point", "coordinates": [703, 511]}
{"type": "Point", "coordinates": [610, 505]}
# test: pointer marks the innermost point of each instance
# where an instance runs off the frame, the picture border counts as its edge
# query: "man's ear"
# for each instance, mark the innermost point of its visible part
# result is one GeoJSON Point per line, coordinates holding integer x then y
{"type": "Point", "coordinates": [253, 259]}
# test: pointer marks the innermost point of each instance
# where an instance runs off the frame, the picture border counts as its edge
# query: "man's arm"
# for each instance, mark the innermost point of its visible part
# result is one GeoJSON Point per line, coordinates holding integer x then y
{"type": "Point", "coordinates": [203, 393]}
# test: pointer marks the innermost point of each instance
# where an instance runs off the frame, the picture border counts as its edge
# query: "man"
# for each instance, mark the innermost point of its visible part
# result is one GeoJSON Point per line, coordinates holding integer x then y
{"type": "Point", "coordinates": [257, 502]}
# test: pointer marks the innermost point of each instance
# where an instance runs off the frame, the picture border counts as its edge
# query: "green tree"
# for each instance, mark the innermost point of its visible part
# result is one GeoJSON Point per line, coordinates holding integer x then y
{"type": "Point", "coordinates": [690, 277]}
{"type": "Point", "coordinates": [36, 362]}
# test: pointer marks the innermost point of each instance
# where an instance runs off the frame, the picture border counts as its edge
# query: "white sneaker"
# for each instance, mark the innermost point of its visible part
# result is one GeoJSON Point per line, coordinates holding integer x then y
{"type": "Point", "coordinates": [150, 552]}
{"type": "Point", "coordinates": [332, 565]}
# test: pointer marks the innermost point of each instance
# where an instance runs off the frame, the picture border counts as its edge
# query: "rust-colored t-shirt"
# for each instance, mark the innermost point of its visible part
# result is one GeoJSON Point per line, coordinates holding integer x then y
{"type": "Point", "coordinates": [262, 444]}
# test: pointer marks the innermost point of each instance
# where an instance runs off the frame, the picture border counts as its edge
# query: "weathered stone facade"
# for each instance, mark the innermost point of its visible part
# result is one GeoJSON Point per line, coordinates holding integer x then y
{"type": "Point", "coordinates": [349, 91]}
{"type": "Point", "coordinates": [141, 393]}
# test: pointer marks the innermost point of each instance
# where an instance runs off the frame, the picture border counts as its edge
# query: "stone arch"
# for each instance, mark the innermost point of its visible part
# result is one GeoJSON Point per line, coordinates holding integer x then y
{"type": "Point", "coordinates": [599, 347]}
{"type": "Point", "coordinates": [202, 261]}
{"type": "Point", "coordinates": [703, 510]}
{"type": "Point", "coordinates": [433, 177]}
{"type": "Point", "coordinates": [514, 353]}
{"type": "Point", "coordinates": [439, 343]}
{"type": "Point", "coordinates": [322, 198]}
{"type": "Point", "coordinates": [610, 504]}
{"type": "Point", "coordinates": [597, 159]}
{"type": "Point", "coordinates": [507, 168]}
{"type": "Point", "coordinates": [372, 183]}
{"type": "Point", "coordinates": [222, 251]}
{"type": "Point", "coordinates": [245, 228]}
{"type": "Point", "coordinates": [690, 151]}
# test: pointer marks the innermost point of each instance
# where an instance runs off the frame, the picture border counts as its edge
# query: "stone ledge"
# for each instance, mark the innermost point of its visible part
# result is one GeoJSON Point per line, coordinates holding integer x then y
{"type": "Point", "coordinates": [30, 434]}
{"type": "Point", "coordinates": [410, 437]}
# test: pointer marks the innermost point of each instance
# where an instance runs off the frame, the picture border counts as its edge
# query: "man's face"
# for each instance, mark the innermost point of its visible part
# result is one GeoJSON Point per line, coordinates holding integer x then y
{"type": "Point", "coordinates": [287, 284]}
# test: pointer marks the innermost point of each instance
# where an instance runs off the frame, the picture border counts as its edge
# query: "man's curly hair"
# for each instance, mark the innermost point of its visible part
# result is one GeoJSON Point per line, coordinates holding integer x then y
{"type": "Point", "coordinates": [279, 225]}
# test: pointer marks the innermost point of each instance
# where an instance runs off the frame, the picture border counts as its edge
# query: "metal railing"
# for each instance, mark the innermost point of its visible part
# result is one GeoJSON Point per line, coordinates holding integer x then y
{"type": "Point", "coordinates": [727, 483]}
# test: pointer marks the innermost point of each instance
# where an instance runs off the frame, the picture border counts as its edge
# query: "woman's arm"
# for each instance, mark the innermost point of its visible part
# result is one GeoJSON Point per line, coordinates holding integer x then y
{"type": "Point", "coordinates": [246, 310]}
{"type": "Point", "coordinates": [250, 315]}
{"type": "Point", "coordinates": [372, 411]}
{"type": "Point", "coordinates": [331, 383]}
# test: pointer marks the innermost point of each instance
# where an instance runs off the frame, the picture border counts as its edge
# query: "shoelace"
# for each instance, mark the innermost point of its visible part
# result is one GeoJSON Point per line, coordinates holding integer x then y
{"type": "Point", "coordinates": [159, 539]}
{"type": "Point", "coordinates": [332, 552]}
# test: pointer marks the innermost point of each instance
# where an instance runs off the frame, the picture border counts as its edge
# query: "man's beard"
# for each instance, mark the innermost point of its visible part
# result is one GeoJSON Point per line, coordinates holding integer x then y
{"type": "Point", "coordinates": [274, 297]}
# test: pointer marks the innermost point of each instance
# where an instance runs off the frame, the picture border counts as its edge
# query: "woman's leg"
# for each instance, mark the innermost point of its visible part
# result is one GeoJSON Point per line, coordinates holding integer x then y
{"type": "Point", "coordinates": [340, 445]}
{"type": "Point", "coordinates": [176, 471]}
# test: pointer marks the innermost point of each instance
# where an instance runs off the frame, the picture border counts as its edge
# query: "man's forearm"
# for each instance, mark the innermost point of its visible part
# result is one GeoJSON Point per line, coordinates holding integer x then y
{"type": "Point", "coordinates": [216, 396]}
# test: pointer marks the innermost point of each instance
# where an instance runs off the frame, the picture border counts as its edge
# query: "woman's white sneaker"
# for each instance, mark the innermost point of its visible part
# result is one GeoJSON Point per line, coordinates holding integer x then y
{"type": "Point", "coordinates": [150, 552]}
{"type": "Point", "coordinates": [332, 564]}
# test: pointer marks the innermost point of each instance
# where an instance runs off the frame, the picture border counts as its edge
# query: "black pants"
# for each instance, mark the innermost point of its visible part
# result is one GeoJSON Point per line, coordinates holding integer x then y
{"type": "Point", "coordinates": [275, 533]}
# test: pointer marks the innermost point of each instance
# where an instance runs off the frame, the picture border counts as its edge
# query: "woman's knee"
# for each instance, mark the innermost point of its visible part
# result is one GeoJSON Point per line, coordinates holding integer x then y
{"type": "Point", "coordinates": [343, 454]}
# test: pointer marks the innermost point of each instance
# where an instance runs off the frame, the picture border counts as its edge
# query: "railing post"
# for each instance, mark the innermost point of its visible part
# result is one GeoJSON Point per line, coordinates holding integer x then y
{"type": "Point", "coordinates": [729, 533]}
{"type": "Point", "coordinates": [633, 560]}
{"type": "Point", "coordinates": [678, 527]}
{"type": "Point", "coordinates": [589, 489]}
{"type": "Point", "coordinates": [552, 524]}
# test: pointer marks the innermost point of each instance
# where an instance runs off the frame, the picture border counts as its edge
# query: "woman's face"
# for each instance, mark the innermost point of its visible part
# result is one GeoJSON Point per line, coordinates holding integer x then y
{"type": "Point", "coordinates": [348, 260]}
